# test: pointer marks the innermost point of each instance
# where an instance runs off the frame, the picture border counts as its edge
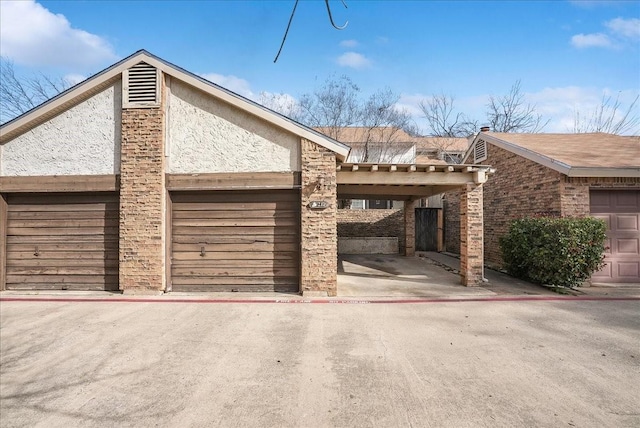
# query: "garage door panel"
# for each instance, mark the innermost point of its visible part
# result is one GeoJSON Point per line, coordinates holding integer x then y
{"type": "Point", "coordinates": [621, 208]}
{"type": "Point", "coordinates": [74, 247]}
{"type": "Point", "coordinates": [212, 214]}
{"type": "Point", "coordinates": [194, 242]}
{"type": "Point", "coordinates": [239, 197]}
{"type": "Point", "coordinates": [62, 241]}
{"type": "Point", "coordinates": [233, 283]}
{"type": "Point", "coordinates": [201, 226]}
{"type": "Point", "coordinates": [63, 215]}
{"type": "Point", "coordinates": [109, 263]}
{"type": "Point", "coordinates": [628, 246]}
{"type": "Point", "coordinates": [630, 270]}
{"type": "Point", "coordinates": [66, 286]}
{"type": "Point", "coordinates": [63, 279]}
{"type": "Point", "coordinates": [236, 271]}
{"type": "Point", "coordinates": [179, 257]}
{"type": "Point", "coordinates": [187, 234]}
{"type": "Point", "coordinates": [627, 222]}
{"type": "Point", "coordinates": [70, 207]}
{"type": "Point", "coordinates": [626, 200]}
{"type": "Point", "coordinates": [57, 231]}
{"type": "Point", "coordinates": [29, 253]}
{"type": "Point", "coordinates": [242, 240]}
{"type": "Point", "coordinates": [66, 270]}
{"type": "Point", "coordinates": [103, 223]}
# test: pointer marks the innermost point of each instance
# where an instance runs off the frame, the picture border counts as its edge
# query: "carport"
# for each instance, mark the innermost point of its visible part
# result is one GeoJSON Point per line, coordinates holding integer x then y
{"type": "Point", "coordinates": [410, 182]}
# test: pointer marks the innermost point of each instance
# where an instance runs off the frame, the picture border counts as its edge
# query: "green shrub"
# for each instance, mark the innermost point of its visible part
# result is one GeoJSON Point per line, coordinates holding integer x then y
{"type": "Point", "coordinates": [563, 252]}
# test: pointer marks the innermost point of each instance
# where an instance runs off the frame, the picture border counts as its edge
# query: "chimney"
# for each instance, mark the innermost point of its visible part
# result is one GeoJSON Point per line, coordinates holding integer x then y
{"type": "Point", "coordinates": [485, 128]}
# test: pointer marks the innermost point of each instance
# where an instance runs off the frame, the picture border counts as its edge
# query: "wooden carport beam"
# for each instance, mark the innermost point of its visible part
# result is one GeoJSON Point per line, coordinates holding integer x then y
{"type": "Point", "coordinates": [404, 178]}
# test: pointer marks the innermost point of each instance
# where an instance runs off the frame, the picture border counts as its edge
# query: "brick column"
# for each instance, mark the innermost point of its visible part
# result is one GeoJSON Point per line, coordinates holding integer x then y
{"type": "Point", "coordinates": [319, 242]}
{"type": "Point", "coordinates": [410, 228]}
{"type": "Point", "coordinates": [142, 199]}
{"type": "Point", "coordinates": [471, 235]}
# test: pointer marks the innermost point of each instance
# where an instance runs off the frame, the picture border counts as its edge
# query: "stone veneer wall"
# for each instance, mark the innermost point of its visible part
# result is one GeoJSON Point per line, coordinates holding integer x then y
{"type": "Point", "coordinates": [142, 194]}
{"type": "Point", "coordinates": [319, 243]}
{"type": "Point", "coordinates": [372, 223]}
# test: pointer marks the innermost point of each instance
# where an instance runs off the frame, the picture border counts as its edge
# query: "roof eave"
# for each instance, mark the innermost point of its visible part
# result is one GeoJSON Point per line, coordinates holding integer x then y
{"type": "Point", "coordinates": [583, 171]}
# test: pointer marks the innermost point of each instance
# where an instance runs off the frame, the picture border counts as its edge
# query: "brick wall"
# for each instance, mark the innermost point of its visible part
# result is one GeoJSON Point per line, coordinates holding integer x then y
{"type": "Point", "coordinates": [519, 188]}
{"type": "Point", "coordinates": [372, 223]}
{"type": "Point", "coordinates": [451, 208]}
{"type": "Point", "coordinates": [142, 201]}
{"type": "Point", "coordinates": [319, 243]}
{"type": "Point", "coordinates": [471, 227]}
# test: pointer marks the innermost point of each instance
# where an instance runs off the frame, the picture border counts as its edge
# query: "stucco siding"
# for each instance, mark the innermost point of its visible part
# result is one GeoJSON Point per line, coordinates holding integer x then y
{"type": "Point", "coordinates": [208, 135]}
{"type": "Point", "coordinates": [84, 140]}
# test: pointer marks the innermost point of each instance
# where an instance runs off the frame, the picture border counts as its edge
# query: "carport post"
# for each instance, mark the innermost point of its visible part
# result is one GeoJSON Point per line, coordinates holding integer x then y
{"type": "Point", "coordinates": [410, 228]}
{"type": "Point", "coordinates": [471, 235]}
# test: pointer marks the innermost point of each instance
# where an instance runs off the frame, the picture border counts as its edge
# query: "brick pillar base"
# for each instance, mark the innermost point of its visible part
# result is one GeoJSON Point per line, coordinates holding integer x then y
{"type": "Point", "coordinates": [319, 242]}
{"type": "Point", "coordinates": [471, 235]}
{"type": "Point", "coordinates": [410, 228]}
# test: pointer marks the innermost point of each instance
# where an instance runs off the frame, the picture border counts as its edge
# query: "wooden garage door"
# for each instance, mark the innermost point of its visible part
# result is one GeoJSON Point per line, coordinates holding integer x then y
{"type": "Point", "coordinates": [620, 209]}
{"type": "Point", "coordinates": [62, 241]}
{"type": "Point", "coordinates": [236, 241]}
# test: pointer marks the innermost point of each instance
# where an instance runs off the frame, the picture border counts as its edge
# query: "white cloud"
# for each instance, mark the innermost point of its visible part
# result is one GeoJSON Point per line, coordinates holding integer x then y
{"type": "Point", "coordinates": [32, 35]}
{"type": "Point", "coordinates": [582, 41]}
{"type": "Point", "coordinates": [561, 104]}
{"type": "Point", "coordinates": [232, 83]}
{"type": "Point", "coordinates": [349, 43]}
{"type": "Point", "coordinates": [353, 60]}
{"type": "Point", "coordinates": [627, 28]}
{"type": "Point", "coordinates": [283, 103]}
{"type": "Point", "coordinates": [74, 79]}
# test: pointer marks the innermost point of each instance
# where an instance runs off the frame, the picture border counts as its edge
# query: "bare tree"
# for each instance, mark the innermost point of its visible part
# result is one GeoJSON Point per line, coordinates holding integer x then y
{"type": "Point", "coordinates": [510, 113]}
{"type": "Point", "coordinates": [385, 127]}
{"type": "Point", "coordinates": [610, 117]}
{"type": "Point", "coordinates": [20, 94]}
{"type": "Point", "coordinates": [375, 127]}
{"type": "Point", "coordinates": [333, 106]}
{"type": "Point", "coordinates": [443, 120]}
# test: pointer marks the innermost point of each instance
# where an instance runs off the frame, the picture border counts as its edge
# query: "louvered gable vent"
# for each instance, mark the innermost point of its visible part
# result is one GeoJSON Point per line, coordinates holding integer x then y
{"type": "Point", "coordinates": [140, 86]}
{"type": "Point", "coordinates": [480, 151]}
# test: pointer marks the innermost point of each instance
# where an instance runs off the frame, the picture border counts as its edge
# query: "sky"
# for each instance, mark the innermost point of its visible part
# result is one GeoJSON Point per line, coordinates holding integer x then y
{"type": "Point", "coordinates": [567, 55]}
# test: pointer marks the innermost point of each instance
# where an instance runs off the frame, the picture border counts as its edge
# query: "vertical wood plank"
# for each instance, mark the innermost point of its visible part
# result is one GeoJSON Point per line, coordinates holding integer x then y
{"type": "Point", "coordinates": [168, 241]}
{"type": "Point", "coordinates": [3, 241]}
{"type": "Point", "coordinates": [440, 246]}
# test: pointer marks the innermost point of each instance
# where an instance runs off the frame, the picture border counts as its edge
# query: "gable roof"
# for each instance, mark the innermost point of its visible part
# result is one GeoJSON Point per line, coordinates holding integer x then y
{"type": "Point", "coordinates": [107, 77]}
{"type": "Point", "coordinates": [364, 134]}
{"type": "Point", "coordinates": [576, 155]}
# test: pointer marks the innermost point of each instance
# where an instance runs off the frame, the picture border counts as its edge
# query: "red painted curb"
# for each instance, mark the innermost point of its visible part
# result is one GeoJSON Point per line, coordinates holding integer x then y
{"type": "Point", "coordinates": [317, 301]}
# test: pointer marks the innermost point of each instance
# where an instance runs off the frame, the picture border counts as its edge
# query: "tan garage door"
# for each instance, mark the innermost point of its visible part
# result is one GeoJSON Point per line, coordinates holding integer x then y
{"type": "Point", "coordinates": [62, 241]}
{"type": "Point", "coordinates": [236, 241]}
{"type": "Point", "coordinates": [620, 209]}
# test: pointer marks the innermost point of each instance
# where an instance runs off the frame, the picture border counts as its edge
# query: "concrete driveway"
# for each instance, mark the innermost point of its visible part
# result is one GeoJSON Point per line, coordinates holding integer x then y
{"type": "Point", "coordinates": [157, 362]}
